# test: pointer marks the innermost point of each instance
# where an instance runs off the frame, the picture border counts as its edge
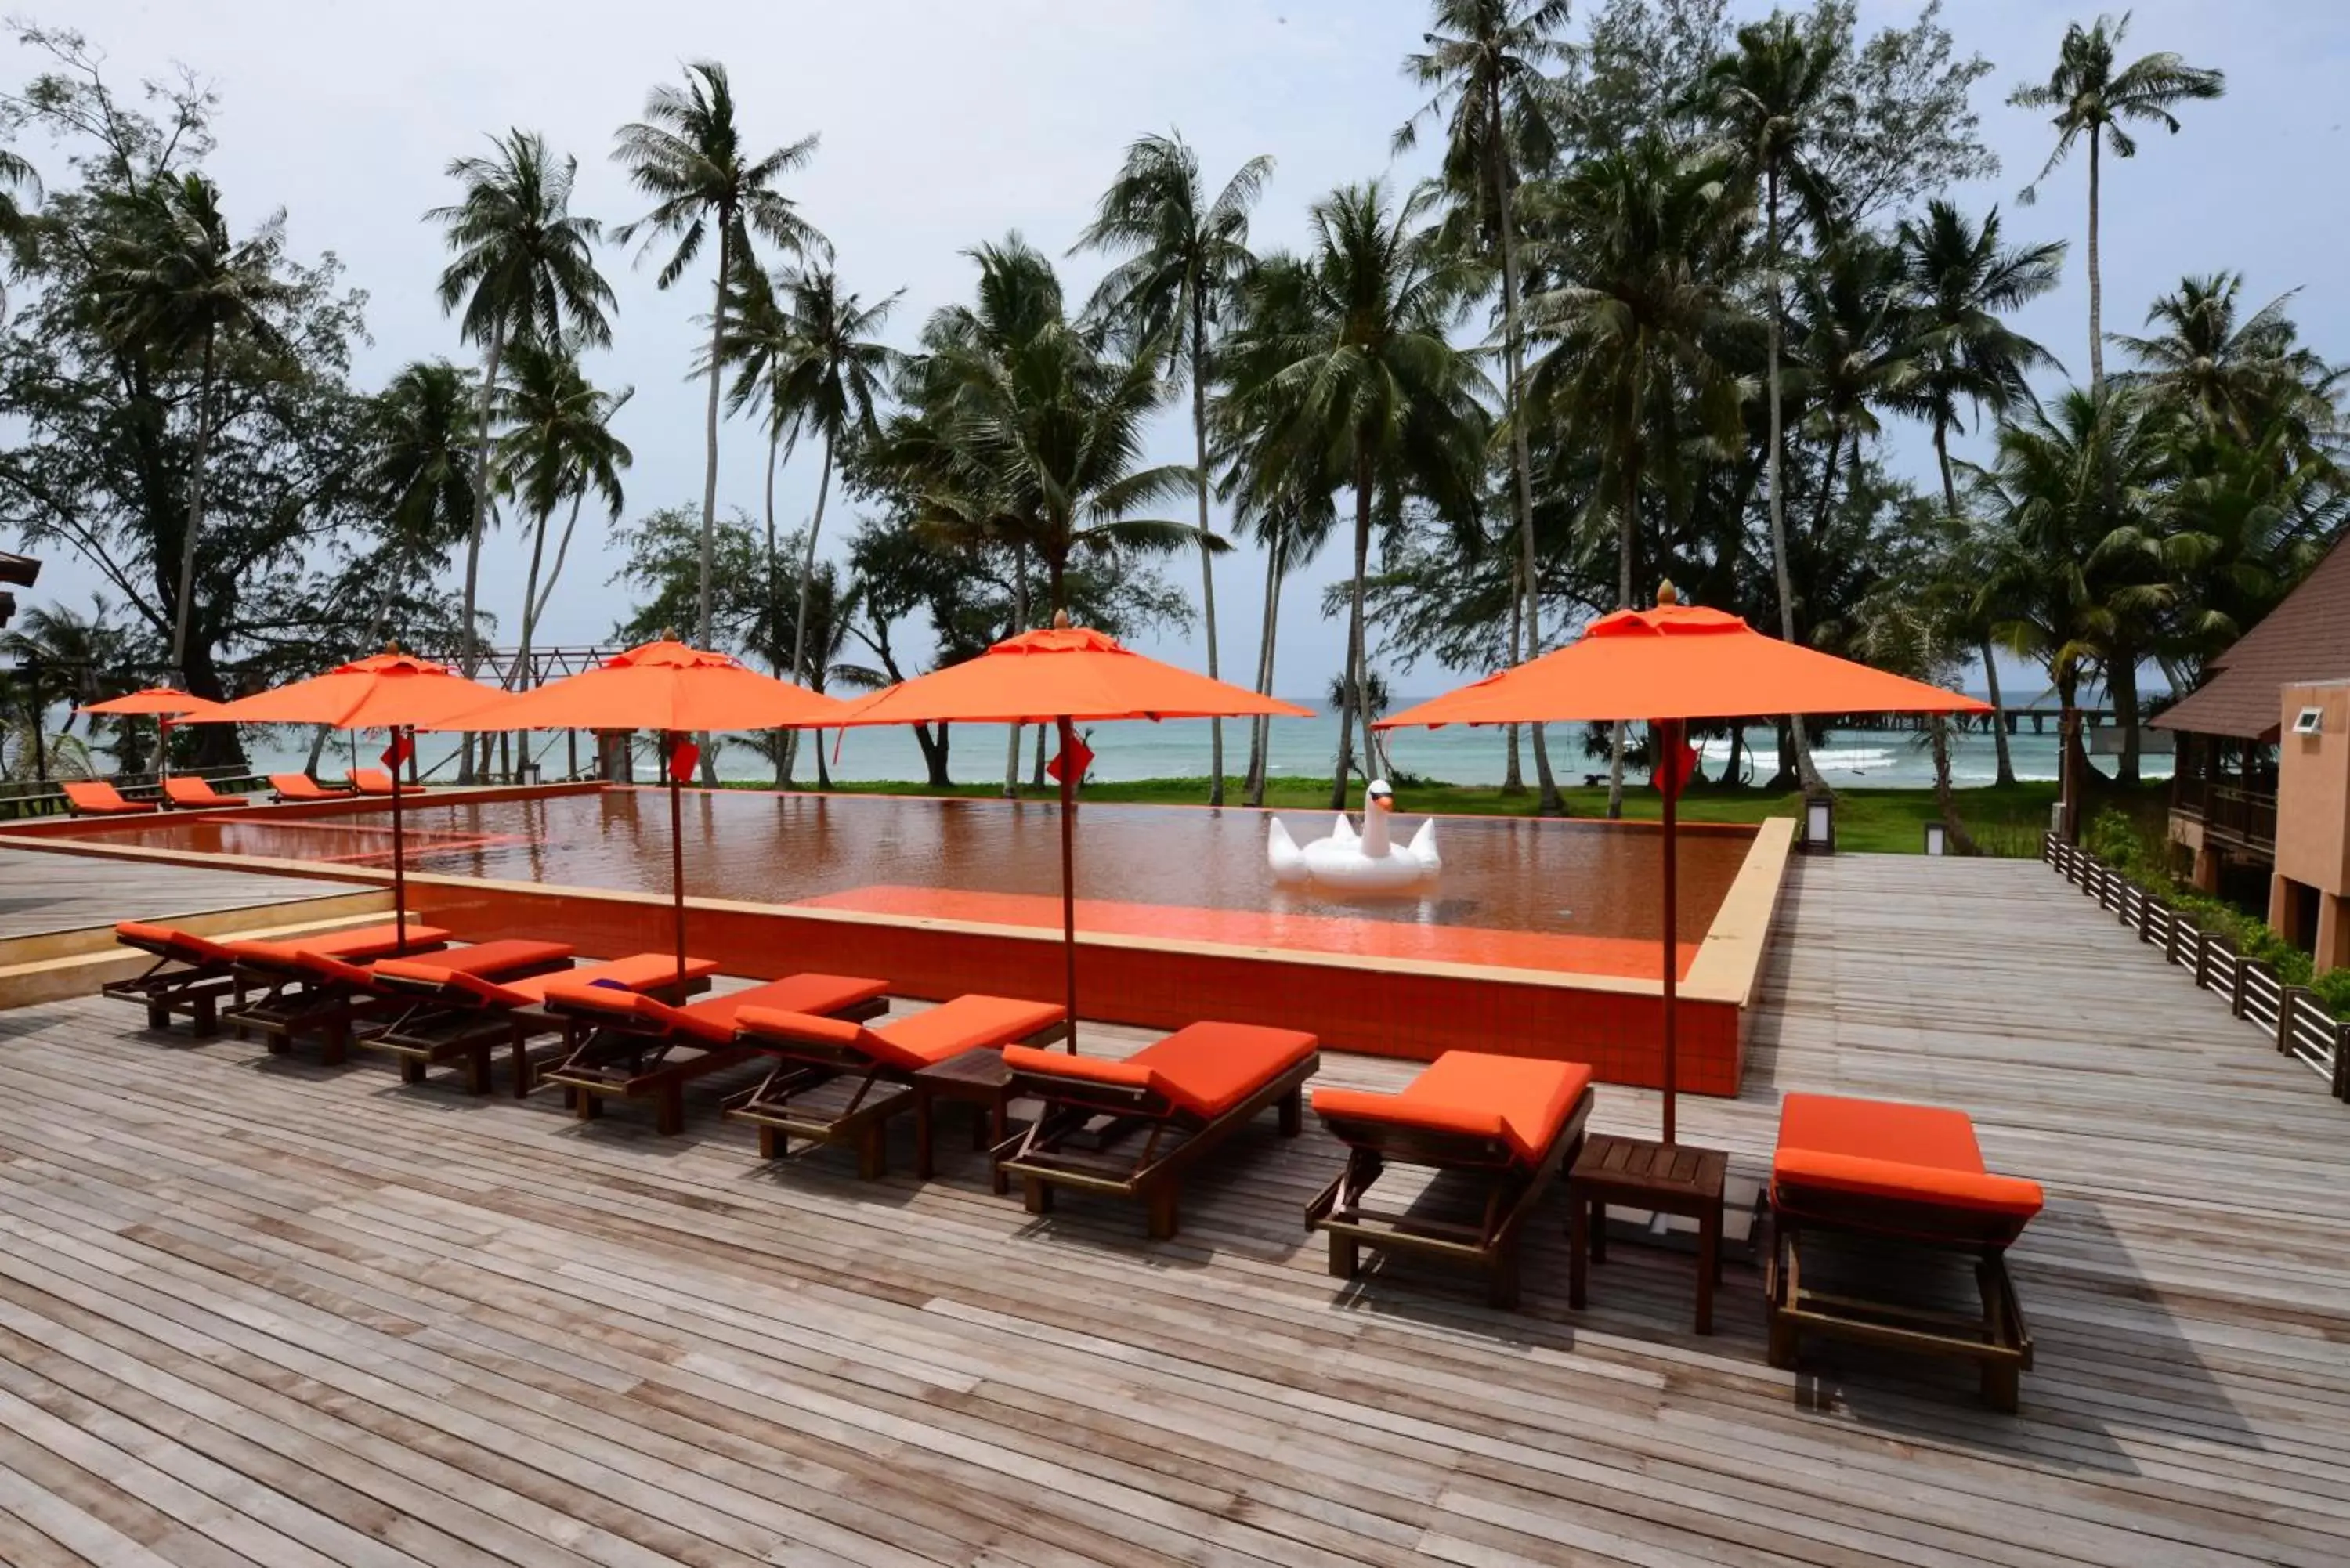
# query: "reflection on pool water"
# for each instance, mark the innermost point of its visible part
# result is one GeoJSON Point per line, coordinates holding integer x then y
{"type": "Point", "coordinates": [1572, 896]}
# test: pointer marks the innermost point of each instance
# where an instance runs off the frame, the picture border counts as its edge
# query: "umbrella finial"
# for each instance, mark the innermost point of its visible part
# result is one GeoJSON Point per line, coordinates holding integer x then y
{"type": "Point", "coordinates": [669, 634]}
{"type": "Point", "coordinates": [1667, 594]}
{"type": "Point", "coordinates": [392, 645]}
{"type": "Point", "coordinates": [1060, 620]}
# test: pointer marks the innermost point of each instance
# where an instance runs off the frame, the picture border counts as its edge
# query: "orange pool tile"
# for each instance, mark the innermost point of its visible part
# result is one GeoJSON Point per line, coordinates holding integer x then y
{"type": "Point", "coordinates": [1369, 937]}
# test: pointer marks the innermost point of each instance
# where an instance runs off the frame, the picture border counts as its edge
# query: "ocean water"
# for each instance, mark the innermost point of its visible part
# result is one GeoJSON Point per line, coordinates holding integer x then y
{"type": "Point", "coordinates": [1298, 748]}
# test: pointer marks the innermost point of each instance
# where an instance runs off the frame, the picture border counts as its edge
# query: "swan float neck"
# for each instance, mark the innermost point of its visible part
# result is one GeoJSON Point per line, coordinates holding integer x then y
{"type": "Point", "coordinates": [1344, 861]}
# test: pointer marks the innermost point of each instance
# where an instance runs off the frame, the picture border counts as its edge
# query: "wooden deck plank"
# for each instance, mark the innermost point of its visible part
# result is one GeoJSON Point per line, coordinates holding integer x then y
{"type": "Point", "coordinates": [254, 1308]}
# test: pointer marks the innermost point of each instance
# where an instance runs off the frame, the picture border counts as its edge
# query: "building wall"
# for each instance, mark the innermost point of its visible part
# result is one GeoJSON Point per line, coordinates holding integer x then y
{"type": "Point", "coordinates": [2313, 829]}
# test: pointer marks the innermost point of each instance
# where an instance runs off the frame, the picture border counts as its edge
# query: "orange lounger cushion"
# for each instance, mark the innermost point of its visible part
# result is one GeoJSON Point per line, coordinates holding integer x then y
{"type": "Point", "coordinates": [713, 1019]}
{"type": "Point", "coordinates": [95, 797]}
{"type": "Point", "coordinates": [970, 1022]}
{"type": "Point", "coordinates": [301, 786]}
{"type": "Point", "coordinates": [194, 791]}
{"type": "Point", "coordinates": [639, 970]}
{"type": "Point", "coordinates": [1520, 1102]}
{"type": "Point", "coordinates": [375, 781]}
{"type": "Point", "coordinates": [1205, 1069]}
{"type": "Point", "coordinates": [359, 945]}
{"type": "Point", "coordinates": [1883, 1150]}
{"type": "Point", "coordinates": [171, 943]}
{"type": "Point", "coordinates": [487, 960]}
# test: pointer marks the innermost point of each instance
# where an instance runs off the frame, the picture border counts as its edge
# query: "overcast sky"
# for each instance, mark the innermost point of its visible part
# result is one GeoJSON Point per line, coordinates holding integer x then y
{"type": "Point", "coordinates": [944, 124]}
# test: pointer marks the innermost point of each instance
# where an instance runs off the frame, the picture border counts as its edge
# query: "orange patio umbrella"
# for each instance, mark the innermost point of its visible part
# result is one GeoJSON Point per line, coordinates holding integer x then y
{"type": "Point", "coordinates": [1669, 665]}
{"type": "Point", "coordinates": [1063, 675]}
{"type": "Point", "coordinates": [164, 704]}
{"type": "Point", "coordinates": [389, 691]}
{"type": "Point", "coordinates": [665, 686]}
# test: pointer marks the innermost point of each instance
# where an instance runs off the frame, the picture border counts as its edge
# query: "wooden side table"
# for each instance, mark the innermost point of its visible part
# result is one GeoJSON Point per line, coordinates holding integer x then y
{"type": "Point", "coordinates": [1668, 1178]}
{"type": "Point", "coordinates": [977, 1077]}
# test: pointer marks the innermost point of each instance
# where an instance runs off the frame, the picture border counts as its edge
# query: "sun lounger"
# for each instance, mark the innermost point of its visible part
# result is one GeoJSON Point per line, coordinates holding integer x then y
{"type": "Point", "coordinates": [376, 782]}
{"type": "Point", "coordinates": [453, 1017]}
{"type": "Point", "coordinates": [624, 1045]}
{"type": "Point", "coordinates": [1131, 1129]}
{"type": "Point", "coordinates": [305, 994]}
{"type": "Point", "coordinates": [835, 1081]}
{"type": "Point", "coordinates": [191, 974]}
{"type": "Point", "coordinates": [1900, 1184]}
{"type": "Point", "coordinates": [96, 797]}
{"type": "Point", "coordinates": [190, 794]}
{"type": "Point", "coordinates": [289, 787]}
{"type": "Point", "coordinates": [1505, 1125]}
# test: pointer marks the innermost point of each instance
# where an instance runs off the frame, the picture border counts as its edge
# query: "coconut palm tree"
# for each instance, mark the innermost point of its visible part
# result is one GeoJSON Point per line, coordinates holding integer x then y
{"type": "Point", "coordinates": [525, 268]}
{"type": "Point", "coordinates": [1629, 333]}
{"type": "Point", "coordinates": [555, 445]}
{"type": "Point", "coordinates": [1484, 63]}
{"type": "Point", "coordinates": [1351, 366]}
{"type": "Point", "coordinates": [830, 384]}
{"type": "Point", "coordinates": [1962, 280]}
{"type": "Point", "coordinates": [1853, 348]}
{"type": "Point", "coordinates": [687, 156]}
{"type": "Point", "coordinates": [419, 467]}
{"type": "Point", "coordinates": [176, 284]}
{"type": "Point", "coordinates": [1186, 260]}
{"type": "Point", "coordinates": [1769, 100]}
{"type": "Point", "coordinates": [2092, 101]}
{"type": "Point", "coordinates": [2242, 375]}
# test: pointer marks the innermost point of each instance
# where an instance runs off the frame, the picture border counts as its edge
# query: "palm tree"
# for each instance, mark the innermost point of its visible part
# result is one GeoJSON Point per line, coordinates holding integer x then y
{"type": "Point", "coordinates": [2092, 101]}
{"type": "Point", "coordinates": [1769, 100]}
{"type": "Point", "coordinates": [687, 156]}
{"type": "Point", "coordinates": [837, 373]}
{"type": "Point", "coordinates": [1484, 63]}
{"type": "Point", "coordinates": [18, 182]}
{"type": "Point", "coordinates": [555, 445]}
{"type": "Point", "coordinates": [2243, 376]}
{"type": "Point", "coordinates": [1187, 258]}
{"type": "Point", "coordinates": [1854, 348]}
{"type": "Point", "coordinates": [525, 269]}
{"type": "Point", "coordinates": [1962, 280]}
{"type": "Point", "coordinates": [1357, 364]}
{"type": "Point", "coordinates": [1632, 330]}
{"type": "Point", "coordinates": [419, 467]}
{"type": "Point", "coordinates": [177, 284]}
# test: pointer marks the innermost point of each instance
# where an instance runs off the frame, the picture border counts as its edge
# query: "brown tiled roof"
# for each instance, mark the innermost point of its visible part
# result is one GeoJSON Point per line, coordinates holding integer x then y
{"type": "Point", "coordinates": [18, 569]}
{"type": "Point", "coordinates": [2306, 637]}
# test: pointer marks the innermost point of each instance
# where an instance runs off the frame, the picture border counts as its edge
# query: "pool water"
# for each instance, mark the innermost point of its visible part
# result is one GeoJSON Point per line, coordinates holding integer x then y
{"type": "Point", "coordinates": [1575, 896]}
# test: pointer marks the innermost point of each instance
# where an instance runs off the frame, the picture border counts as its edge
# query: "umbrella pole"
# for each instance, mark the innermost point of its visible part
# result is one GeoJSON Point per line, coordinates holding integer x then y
{"type": "Point", "coordinates": [677, 855]}
{"type": "Point", "coordinates": [399, 855]}
{"type": "Point", "coordinates": [1668, 741]}
{"type": "Point", "coordinates": [163, 746]}
{"type": "Point", "coordinates": [1069, 877]}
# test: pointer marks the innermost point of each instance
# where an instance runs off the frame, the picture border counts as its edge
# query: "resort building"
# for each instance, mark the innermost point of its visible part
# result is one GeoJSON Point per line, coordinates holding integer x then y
{"type": "Point", "coordinates": [16, 571]}
{"type": "Point", "coordinates": [2261, 791]}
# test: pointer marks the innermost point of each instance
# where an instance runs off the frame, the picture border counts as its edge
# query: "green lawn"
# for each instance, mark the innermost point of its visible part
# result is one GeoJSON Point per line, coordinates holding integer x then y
{"type": "Point", "coordinates": [2004, 820]}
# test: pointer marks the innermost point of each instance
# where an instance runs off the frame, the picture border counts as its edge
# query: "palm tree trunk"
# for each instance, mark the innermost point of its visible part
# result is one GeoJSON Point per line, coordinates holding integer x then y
{"type": "Point", "coordinates": [1207, 561]}
{"type": "Point", "coordinates": [1020, 624]}
{"type": "Point", "coordinates": [529, 623]}
{"type": "Point", "coordinates": [786, 741]}
{"type": "Point", "coordinates": [1627, 528]}
{"type": "Point", "coordinates": [469, 643]}
{"type": "Point", "coordinates": [1513, 781]}
{"type": "Point", "coordinates": [195, 513]}
{"type": "Point", "coordinates": [1806, 773]}
{"type": "Point", "coordinates": [1252, 789]}
{"type": "Point", "coordinates": [1991, 668]}
{"type": "Point", "coordinates": [2121, 685]}
{"type": "Point", "coordinates": [710, 477]}
{"type": "Point", "coordinates": [1521, 466]}
{"type": "Point", "coordinates": [2096, 283]}
{"type": "Point", "coordinates": [1351, 689]}
{"type": "Point", "coordinates": [1946, 799]}
{"type": "Point", "coordinates": [808, 574]}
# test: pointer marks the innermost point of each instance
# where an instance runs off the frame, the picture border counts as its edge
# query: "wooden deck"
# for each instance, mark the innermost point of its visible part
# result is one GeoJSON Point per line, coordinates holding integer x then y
{"type": "Point", "coordinates": [41, 891]}
{"type": "Point", "coordinates": [253, 1310]}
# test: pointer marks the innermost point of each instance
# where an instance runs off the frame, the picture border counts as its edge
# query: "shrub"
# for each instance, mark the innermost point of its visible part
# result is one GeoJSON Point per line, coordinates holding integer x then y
{"type": "Point", "coordinates": [2118, 841]}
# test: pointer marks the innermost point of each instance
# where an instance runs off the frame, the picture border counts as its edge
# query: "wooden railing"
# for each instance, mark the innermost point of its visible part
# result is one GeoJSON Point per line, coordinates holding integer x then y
{"type": "Point", "coordinates": [2290, 1015]}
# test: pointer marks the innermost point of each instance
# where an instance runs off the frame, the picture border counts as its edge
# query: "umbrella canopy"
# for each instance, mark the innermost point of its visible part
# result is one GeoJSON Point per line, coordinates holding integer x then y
{"type": "Point", "coordinates": [160, 701]}
{"type": "Point", "coordinates": [665, 686]}
{"type": "Point", "coordinates": [1669, 665]}
{"type": "Point", "coordinates": [1062, 676]}
{"type": "Point", "coordinates": [389, 691]}
{"type": "Point", "coordinates": [1678, 661]}
{"type": "Point", "coordinates": [662, 685]}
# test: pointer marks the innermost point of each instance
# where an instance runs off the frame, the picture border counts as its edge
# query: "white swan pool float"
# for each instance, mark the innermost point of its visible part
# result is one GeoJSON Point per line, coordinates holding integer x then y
{"type": "Point", "coordinates": [1346, 862]}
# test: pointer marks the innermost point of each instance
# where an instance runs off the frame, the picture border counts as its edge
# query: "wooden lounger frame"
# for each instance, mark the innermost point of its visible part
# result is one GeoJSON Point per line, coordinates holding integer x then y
{"type": "Point", "coordinates": [613, 1058]}
{"type": "Point", "coordinates": [433, 1032]}
{"type": "Point", "coordinates": [835, 1095]}
{"type": "Point", "coordinates": [173, 985]}
{"type": "Point", "coordinates": [291, 1007]}
{"type": "Point", "coordinates": [1066, 1147]}
{"type": "Point", "coordinates": [1998, 1340]}
{"type": "Point", "coordinates": [1514, 1188]}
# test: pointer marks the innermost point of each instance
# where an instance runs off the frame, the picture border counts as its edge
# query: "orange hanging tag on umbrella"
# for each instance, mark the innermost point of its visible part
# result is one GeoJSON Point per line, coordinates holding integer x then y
{"type": "Point", "coordinates": [402, 747]}
{"type": "Point", "coordinates": [1682, 764]}
{"type": "Point", "coordinates": [683, 758]}
{"type": "Point", "coordinates": [1076, 755]}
